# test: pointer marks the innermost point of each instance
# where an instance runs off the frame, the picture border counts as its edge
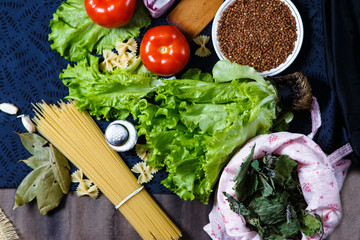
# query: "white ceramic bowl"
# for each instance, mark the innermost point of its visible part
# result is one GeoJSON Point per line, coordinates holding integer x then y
{"type": "Point", "coordinates": [290, 58]}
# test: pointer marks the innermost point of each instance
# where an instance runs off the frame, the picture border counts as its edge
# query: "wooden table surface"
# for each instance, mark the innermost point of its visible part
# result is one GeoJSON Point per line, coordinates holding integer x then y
{"type": "Point", "coordinates": [88, 219]}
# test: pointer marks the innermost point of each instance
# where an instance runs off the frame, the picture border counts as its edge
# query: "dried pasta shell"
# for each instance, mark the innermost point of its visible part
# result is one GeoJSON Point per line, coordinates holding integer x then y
{"type": "Point", "coordinates": [82, 189]}
{"type": "Point", "coordinates": [109, 58]}
{"type": "Point", "coordinates": [127, 57]}
{"type": "Point", "coordinates": [145, 172]}
{"type": "Point", "coordinates": [88, 182]}
{"type": "Point", "coordinates": [122, 47]}
{"type": "Point", "coordinates": [153, 170]}
{"type": "Point", "coordinates": [132, 45]}
{"type": "Point", "coordinates": [93, 192]}
{"type": "Point", "coordinates": [202, 52]}
{"type": "Point", "coordinates": [201, 41]}
{"type": "Point", "coordinates": [120, 64]}
{"type": "Point", "coordinates": [86, 187]}
{"type": "Point", "coordinates": [77, 176]}
{"type": "Point", "coordinates": [143, 153]}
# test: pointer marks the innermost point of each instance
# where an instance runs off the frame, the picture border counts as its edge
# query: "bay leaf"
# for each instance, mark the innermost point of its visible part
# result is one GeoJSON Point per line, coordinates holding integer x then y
{"type": "Point", "coordinates": [60, 167]}
{"type": "Point", "coordinates": [49, 193]}
{"type": "Point", "coordinates": [37, 161]}
{"type": "Point", "coordinates": [32, 142]}
{"type": "Point", "coordinates": [50, 178]}
{"type": "Point", "coordinates": [27, 189]}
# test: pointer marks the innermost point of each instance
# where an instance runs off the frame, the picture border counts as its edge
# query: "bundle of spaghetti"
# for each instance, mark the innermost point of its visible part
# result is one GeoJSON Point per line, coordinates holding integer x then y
{"type": "Point", "coordinates": [79, 138]}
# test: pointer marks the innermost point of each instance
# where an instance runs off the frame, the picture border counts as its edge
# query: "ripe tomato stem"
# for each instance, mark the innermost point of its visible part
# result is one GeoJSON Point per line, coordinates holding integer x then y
{"type": "Point", "coordinates": [163, 49]}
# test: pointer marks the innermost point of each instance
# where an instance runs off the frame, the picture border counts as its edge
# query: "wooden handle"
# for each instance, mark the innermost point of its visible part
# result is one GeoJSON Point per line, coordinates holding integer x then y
{"type": "Point", "coordinates": [192, 16]}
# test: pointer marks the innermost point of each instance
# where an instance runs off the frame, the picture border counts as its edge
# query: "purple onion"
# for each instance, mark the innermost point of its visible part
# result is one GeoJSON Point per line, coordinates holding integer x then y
{"type": "Point", "coordinates": [158, 7]}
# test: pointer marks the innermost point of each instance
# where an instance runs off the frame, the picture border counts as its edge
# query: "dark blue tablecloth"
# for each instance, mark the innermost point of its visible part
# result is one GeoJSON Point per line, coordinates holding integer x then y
{"type": "Point", "coordinates": [29, 72]}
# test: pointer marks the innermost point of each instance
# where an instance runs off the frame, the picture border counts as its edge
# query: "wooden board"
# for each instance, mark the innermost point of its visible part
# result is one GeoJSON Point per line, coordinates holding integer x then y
{"type": "Point", "coordinates": [192, 16]}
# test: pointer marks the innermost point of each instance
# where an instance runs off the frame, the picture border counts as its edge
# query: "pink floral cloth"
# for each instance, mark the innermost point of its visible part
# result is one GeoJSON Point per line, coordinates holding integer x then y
{"type": "Point", "coordinates": [320, 176]}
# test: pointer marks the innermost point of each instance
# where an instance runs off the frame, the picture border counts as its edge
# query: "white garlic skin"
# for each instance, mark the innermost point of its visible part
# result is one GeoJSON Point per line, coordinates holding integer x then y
{"type": "Point", "coordinates": [9, 108]}
{"type": "Point", "coordinates": [28, 124]}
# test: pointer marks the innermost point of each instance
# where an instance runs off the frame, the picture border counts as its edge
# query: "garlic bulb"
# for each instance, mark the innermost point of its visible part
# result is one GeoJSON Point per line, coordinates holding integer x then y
{"type": "Point", "coordinates": [28, 124]}
{"type": "Point", "coordinates": [9, 108]}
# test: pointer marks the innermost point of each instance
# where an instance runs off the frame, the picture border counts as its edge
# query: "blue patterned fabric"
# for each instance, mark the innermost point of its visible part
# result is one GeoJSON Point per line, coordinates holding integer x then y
{"type": "Point", "coordinates": [29, 72]}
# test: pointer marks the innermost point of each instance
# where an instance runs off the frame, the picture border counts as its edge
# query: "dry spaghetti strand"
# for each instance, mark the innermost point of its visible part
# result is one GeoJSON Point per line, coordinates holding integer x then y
{"type": "Point", "coordinates": [78, 137]}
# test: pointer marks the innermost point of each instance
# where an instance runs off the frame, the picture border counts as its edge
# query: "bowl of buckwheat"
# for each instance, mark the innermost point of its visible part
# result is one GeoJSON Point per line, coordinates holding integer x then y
{"type": "Point", "coordinates": [266, 35]}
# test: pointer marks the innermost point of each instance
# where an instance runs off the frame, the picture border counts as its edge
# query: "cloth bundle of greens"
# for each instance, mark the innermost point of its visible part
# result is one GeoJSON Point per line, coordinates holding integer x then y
{"type": "Point", "coordinates": [269, 196]}
{"type": "Point", "coordinates": [192, 125]}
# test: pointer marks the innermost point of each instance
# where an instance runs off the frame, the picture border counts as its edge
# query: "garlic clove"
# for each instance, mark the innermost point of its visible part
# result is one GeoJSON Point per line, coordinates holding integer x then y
{"type": "Point", "coordinates": [28, 124]}
{"type": "Point", "coordinates": [9, 108]}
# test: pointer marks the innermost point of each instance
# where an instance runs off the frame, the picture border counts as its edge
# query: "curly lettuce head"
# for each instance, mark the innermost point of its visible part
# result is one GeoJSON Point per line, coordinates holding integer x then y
{"type": "Point", "coordinates": [192, 125]}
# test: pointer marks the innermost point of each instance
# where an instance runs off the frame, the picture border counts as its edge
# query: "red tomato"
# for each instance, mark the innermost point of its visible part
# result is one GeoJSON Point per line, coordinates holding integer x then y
{"type": "Point", "coordinates": [164, 50]}
{"type": "Point", "coordinates": [110, 13]}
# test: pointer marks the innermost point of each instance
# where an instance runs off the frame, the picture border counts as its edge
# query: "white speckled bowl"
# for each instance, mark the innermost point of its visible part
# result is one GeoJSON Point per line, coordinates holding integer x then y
{"type": "Point", "coordinates": [290, 58]}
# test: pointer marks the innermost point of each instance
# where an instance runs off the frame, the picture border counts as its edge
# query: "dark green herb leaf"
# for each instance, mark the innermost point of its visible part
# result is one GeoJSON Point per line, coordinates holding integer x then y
{"type": "Point", "coordinates": [236, 206]}
{"type": "Point", "coordinates": [290, 230]}
{"type": "Point", "coordinates": [243, 187]}
{"type": "Point", "coordinates": [240, 175]}
{"type": "Point", "coordinates": [269, 210]}
{"type": "Point", "coordinates": [311, 224]}
{"type": "Point", "coordinates": [266, 188]}
{"type": "Point", "coordinates": [283, 169]}
{"type": "Point", "coordinates": [269, 196]}
{"type": "Point", "coordinates": [256, 224]}
{"type": "Point", "coordinates": [255, 165]}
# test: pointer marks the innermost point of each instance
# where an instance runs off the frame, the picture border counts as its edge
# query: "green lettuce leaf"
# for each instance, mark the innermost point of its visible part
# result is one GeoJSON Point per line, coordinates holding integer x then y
{"type": "Point", "coordinates": [197, 74]}
{"type": "Point", "coordinates": [225, 71]}
{"type": "Point", "coordinates": [192, 126]}
{"type": "Point", "coordinates": [75, 35]}
{"type": "Point", "coordinates": [106, 94]}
